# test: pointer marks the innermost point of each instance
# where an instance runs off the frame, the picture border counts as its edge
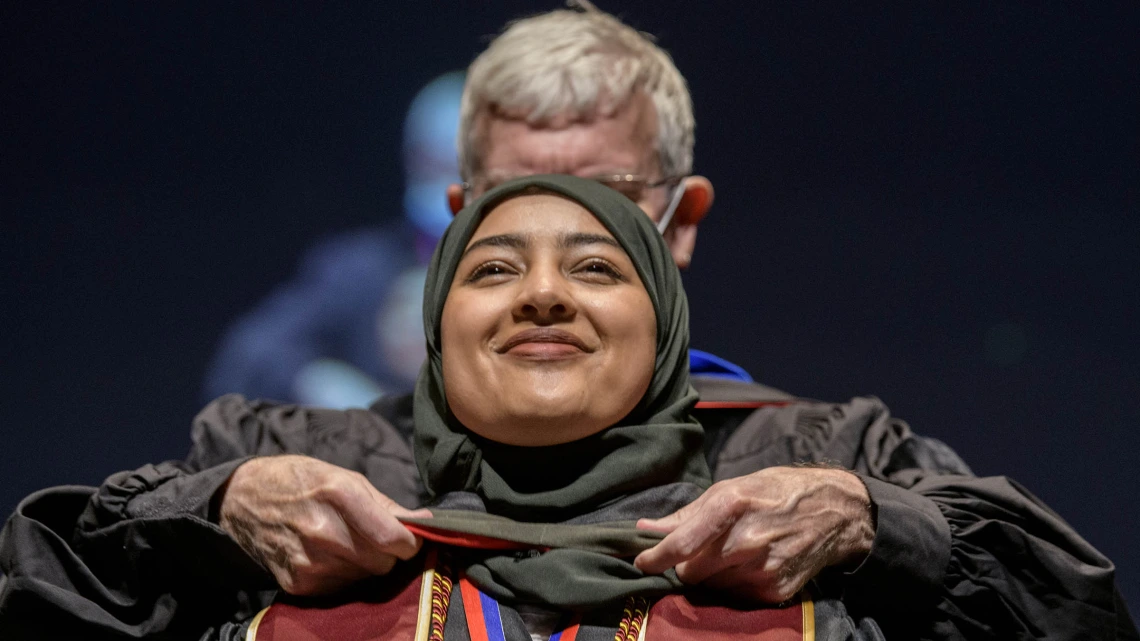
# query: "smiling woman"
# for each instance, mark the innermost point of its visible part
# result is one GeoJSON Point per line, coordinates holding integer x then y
{"type": "Point", "coordinates": [557, 336]}
{"type": "Point", "coordinates": [553, 412]}
{"type": "Point", "coordinates": [548, 334]}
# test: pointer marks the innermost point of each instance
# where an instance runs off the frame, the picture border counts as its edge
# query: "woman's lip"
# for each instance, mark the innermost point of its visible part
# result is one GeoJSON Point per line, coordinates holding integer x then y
{"type": "Point", "coordinates": [544, 351]}
{"type": "Point", "coordinates": [536, 335]}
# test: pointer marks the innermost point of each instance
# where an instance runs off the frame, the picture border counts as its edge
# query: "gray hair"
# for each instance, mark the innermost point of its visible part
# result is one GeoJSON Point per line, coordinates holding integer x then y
{"type": "Point", "coordinates": [576, 64]}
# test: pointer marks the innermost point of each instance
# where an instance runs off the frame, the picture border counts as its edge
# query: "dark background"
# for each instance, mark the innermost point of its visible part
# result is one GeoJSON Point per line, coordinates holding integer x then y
{"type": "Point", "coordinates": [934, 204]}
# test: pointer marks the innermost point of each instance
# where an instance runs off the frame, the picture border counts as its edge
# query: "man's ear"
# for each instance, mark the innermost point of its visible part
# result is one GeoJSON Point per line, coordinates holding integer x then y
{"type": "Point", "coordinates": [455, 197]}
{"type": "Point", "coordinates": [695, 202]}
{"type": "Point", "coordinates": [682, 233]}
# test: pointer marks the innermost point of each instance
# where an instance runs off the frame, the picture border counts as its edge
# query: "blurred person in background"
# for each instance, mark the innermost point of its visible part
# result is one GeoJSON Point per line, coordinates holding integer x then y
{"type": "Point", "coordinates": [347, 328]}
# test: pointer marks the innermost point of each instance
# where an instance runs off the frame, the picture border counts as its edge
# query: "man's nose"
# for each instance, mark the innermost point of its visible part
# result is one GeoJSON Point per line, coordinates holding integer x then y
{"type": "Point", "coordinates": [544, 297]}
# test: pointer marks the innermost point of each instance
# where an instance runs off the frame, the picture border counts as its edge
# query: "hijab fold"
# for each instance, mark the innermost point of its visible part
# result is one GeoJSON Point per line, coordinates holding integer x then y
{"type": "Point", "coordinates": [657, 444]}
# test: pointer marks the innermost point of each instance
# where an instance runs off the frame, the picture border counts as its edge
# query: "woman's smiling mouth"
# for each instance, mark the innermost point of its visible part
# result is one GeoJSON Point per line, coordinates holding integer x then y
{"type": "Point", "coordinates": [544, 343]}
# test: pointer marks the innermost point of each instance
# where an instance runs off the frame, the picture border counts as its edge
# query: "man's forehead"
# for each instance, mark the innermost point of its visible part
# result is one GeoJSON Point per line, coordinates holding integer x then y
{"type": "Point", "coordinates": [635, 107]}
{"type": "Point", "coordinates": [624, 141]}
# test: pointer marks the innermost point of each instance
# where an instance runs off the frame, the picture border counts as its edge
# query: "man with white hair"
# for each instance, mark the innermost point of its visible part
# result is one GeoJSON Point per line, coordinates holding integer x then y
{"type": "Point", "coordinates": [939, 553]}
{"type": "Point", "coordinates": [581, 93]}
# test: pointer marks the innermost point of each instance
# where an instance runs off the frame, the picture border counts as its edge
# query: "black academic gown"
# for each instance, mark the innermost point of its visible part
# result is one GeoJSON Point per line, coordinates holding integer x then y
{"type": "Point", "coordinates": [954, 556]}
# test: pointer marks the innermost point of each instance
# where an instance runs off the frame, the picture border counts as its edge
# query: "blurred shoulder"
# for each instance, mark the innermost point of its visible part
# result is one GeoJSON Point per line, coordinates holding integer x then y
{"type": "Point", "coordinates": [750, 427]}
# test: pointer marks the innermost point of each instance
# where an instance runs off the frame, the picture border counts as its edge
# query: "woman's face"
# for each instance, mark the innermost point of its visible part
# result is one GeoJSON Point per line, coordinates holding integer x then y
{"type": "Point", "coordinates": [548, 334]}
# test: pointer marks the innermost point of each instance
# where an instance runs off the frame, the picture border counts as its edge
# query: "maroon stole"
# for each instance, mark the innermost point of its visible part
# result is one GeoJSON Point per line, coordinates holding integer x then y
{"type": "Point", "coordinates": [675, 618]}
{"type": "Point", "coordinates": [398, 615]}
{"type": "Point", "coordinates": [417, 609]}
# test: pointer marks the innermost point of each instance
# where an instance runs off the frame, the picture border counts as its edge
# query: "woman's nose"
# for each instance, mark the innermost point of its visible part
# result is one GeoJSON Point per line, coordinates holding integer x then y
{"type": "Point", "coordinates": [544, 297]}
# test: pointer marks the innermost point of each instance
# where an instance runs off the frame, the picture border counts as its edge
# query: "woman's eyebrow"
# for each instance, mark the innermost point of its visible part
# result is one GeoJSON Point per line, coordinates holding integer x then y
{"type": "Point", "coordinates": [521, 242]}
{"type": "Point", "coordinates": [514, 241]}
{"type": "Point", "coordinates": [568, 241]}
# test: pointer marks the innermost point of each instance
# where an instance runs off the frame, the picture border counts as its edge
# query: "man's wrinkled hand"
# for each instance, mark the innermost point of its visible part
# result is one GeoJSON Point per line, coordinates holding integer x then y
{"type": "Point", "coordinates": [765, 535]}
{"type": "Point", "coordinates": [317, 527]}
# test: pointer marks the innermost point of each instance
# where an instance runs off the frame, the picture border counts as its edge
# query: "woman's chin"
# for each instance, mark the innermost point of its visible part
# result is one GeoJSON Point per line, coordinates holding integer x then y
{"type": "Point", "coordinates": [542, 405]}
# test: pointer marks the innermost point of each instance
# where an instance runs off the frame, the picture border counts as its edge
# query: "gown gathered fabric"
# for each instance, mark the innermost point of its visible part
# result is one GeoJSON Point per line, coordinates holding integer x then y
{"type": "Point", "coordinates": [954, 556]}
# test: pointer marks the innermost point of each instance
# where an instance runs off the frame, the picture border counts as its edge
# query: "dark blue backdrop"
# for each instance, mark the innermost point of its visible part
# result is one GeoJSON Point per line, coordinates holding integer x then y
{"type": "Point", "coordinates": [934, 204]}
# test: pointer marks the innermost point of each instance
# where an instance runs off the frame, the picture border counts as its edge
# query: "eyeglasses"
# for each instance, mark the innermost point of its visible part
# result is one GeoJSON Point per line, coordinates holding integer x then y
{"type": "Point", "coordinates": [632, 186]}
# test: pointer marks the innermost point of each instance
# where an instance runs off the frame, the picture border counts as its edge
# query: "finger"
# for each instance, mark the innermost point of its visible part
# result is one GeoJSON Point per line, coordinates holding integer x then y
{"type": "Point", "coordinates": [330, 548]}
{"type": "Point", "coordinates": [664, 524]}
{"type": "Point", "coordinates": [717, 561]}
{"type": "Point", "coordinates": [367, 557]}
{"type": "Point", "coordinates": [672, 521]}
{"type": "Point", "coordinates": [401, 512]}
{"type": "Point", "coordinates": [355, 555]}
{"type": "Point", "coordinates": [693, 534]}
{"type": "Point", "coordinates": [369, 513]}
{"type": "Point", "coordinates": [394, 508]}
{"type": "Point", "coordinates": [310, 563]}
{"type": "Point", "coordinates": [405, 544]}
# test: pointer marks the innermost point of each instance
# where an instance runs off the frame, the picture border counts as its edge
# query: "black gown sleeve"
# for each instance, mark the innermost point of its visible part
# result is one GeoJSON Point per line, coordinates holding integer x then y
{"type": "Point", "coordinates": [954, 556]}
{"type": "Point", "coordinates": [142, 557]}
{"type": "Point", "coordinates": [959, 557]}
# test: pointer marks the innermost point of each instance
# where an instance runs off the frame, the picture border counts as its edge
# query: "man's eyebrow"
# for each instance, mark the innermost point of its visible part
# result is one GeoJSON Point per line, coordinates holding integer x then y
{"type": "Point", "coordinates": [514, 241]}
{"type": "Point", "coordinates": [569, 241]}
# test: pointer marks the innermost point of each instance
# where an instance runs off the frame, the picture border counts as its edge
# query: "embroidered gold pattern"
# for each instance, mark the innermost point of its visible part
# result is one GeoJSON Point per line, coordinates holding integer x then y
{"type": "Point", "coordinates": [632, 619]}
{"type": "Point", "coordinates": [441, 585]}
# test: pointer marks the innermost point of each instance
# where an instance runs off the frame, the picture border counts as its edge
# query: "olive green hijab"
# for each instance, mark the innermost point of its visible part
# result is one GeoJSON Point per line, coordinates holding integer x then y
{"type": "Point", "coordinates": [657, 444]}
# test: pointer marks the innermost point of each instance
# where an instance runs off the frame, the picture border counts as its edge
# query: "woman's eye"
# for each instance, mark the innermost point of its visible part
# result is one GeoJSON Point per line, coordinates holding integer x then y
{"type": "Point", "coordinates": [488, 270]}
{"type": "Point", "coordinates": [601, 270]}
